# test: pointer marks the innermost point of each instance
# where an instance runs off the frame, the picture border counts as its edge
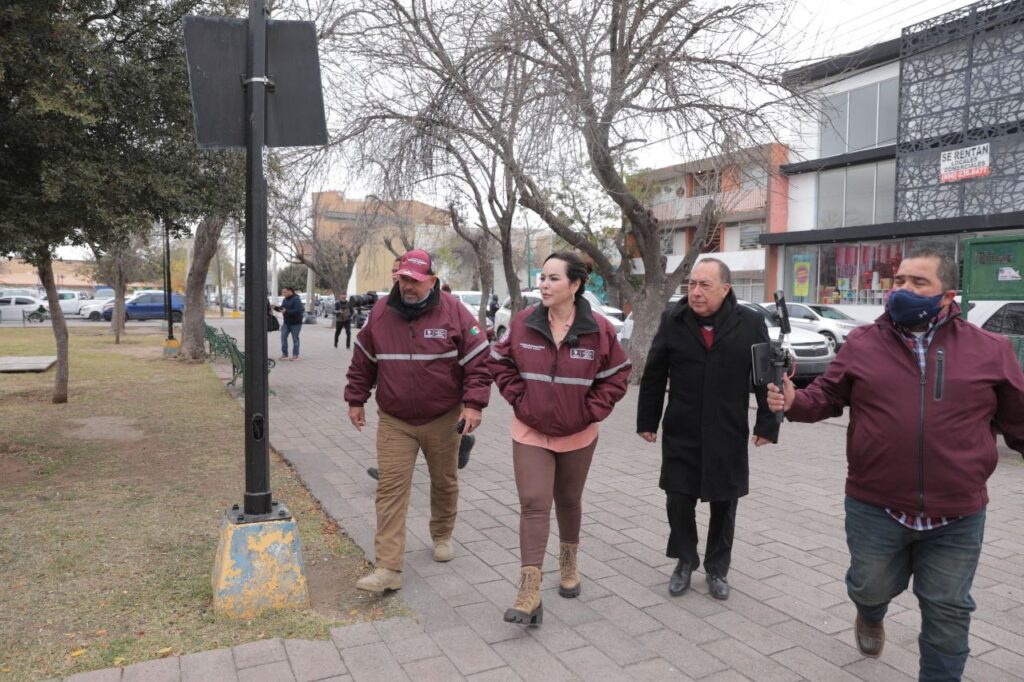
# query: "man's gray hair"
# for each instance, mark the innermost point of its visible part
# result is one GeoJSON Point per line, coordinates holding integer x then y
{"type": "Point", "coordinates": [949, 271]}
{"type": "Point", "coordinates": [723, 270]}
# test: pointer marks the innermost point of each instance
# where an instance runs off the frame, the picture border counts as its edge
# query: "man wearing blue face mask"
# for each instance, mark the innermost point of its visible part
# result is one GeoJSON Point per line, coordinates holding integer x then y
{"type": "Point", "coordinates": [925, 388]}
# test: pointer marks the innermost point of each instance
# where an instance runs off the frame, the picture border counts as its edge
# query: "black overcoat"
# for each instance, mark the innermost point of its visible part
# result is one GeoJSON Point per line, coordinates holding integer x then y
{"type": "Point", "coordinates": [705, 429]}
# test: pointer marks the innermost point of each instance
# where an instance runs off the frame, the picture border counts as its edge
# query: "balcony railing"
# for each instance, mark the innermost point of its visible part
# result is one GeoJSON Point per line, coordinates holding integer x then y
{"type": "Point", "coordinates": [728, 202]}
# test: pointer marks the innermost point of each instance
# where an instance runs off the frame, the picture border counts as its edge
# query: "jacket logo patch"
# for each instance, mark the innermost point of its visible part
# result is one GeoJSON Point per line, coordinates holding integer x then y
{"type": "Point", "coordinates": [435, 333]}
{"type": "Point", "coordinates": [531, 346]}
{"type": "Point", "coordinates": [581, 353]}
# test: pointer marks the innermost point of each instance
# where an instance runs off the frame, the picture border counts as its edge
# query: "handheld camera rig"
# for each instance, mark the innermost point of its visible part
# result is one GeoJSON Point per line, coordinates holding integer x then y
{"type": "Point", "coordinates": [773, 360]}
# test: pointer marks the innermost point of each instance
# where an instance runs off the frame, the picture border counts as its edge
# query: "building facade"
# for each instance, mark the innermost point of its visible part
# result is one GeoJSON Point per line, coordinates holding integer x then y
{"type": "Point", "coordinates": [750, 198]}
{"type": "Point", "coordinates": [918, 143]}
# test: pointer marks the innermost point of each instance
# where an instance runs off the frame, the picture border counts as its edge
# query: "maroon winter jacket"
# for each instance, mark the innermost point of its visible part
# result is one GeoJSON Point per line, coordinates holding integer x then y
{"type": "Point", "coordinates": [921, 444]}
{"type": "Point", "coordinates": [423, 364]}
{"type": "Point", "coordinates": [560, 391]}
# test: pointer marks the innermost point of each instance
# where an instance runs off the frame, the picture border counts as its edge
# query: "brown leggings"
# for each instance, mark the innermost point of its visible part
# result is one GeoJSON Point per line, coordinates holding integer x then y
{"type": "Point", "coordinates": [542, 476]}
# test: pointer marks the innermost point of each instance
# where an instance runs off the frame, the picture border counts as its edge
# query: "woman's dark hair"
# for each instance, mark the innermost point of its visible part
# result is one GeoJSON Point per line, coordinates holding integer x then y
{"type": "Point", "coordinates": [576, 269]}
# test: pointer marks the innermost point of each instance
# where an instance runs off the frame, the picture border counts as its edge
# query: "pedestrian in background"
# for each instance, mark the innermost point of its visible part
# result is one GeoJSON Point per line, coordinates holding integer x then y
{"type": "Point", "coordinates": [342, 320]}
{"type": "Point", "coordinates": [492, 307]}
{"type": "Point", "coordinates": [293, 312]}
{"type": "Point", "coordinates": [562, 370]}
{"type": "Point", "coordinates": [701, 351]}
{"type": "Point", "coordinates": [926, 391]}
{"type": "Point", "coordinates": [425, 354]}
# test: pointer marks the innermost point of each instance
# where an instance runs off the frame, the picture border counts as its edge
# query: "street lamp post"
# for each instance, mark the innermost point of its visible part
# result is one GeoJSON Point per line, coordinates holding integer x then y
{"type": "Point", "coordinates": [167, 286]}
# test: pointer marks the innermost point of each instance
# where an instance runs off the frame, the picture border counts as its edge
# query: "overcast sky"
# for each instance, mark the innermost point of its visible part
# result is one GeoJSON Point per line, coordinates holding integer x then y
{"type": "Point", "coordinates": [819, 29]}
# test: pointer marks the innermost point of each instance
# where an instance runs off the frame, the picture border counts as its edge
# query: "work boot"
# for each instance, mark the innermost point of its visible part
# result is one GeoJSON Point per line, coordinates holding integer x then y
{"type": "Point", "coordinates": [679, 581]}
{"type": "Point", "coordinates": [465, 446]}
{"type": "Point", "coordinates": [444, 550]}
{"type": "Point", "coordinates": [717, 586]}
{"type": "Point", "coordinates": [381, 580]}
{"type": "Point", "coordinates": [870, 637]}
{"type": "Point", "coordinates": [569, 582]}
{"type": "Point", "coordinates": [528, 609]}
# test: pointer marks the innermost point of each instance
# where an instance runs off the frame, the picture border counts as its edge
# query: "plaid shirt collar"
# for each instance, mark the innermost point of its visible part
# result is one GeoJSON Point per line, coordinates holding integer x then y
{"type": "Point", "coordinates": [919, 344]}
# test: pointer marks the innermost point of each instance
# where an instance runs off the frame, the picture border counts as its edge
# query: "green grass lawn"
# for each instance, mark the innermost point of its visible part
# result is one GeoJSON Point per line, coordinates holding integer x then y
{"type": "Point", "coordinates": [110, 507]}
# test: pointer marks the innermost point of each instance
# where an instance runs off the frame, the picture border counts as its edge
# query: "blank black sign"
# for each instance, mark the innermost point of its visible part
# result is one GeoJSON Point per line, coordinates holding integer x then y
{"type": "Point", "coordinates": [215, 52]}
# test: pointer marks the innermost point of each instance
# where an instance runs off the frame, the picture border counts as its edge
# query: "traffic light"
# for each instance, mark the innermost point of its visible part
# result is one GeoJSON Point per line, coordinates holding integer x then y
{"type": "Point", "coordinates": [241, 270]}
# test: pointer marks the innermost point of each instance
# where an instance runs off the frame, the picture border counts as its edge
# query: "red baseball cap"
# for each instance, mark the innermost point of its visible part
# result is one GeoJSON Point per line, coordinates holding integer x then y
{"type": "Point", "coordinates": [415, 264]}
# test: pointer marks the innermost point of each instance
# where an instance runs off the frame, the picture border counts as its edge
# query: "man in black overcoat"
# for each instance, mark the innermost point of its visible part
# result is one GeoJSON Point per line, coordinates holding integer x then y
{"type": "Point", "coordinates": [702, 351]}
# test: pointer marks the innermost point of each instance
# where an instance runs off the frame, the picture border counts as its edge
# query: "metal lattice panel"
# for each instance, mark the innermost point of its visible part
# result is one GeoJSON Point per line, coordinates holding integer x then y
{"type": "Point", "coordinates": [962, 83]}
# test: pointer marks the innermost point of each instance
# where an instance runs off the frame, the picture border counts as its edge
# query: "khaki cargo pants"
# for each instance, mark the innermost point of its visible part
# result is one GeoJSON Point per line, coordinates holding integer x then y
{"type": "Point", "coordinates": [397, 445]}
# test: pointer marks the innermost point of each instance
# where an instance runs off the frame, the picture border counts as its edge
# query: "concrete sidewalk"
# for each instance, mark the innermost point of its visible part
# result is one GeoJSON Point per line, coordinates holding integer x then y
{"type": "Point", "coordinates": [788, 617]}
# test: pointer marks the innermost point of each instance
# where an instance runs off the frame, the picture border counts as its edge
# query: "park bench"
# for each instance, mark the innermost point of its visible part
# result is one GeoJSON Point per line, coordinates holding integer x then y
{"type": "Point", "coordinates": [217, 341]}
{"type": "Point", "coordinates": [238, 360]}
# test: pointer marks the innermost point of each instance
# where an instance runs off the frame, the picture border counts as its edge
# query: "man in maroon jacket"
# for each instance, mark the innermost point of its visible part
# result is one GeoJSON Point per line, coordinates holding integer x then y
{"type": "Point", "coordinates": [425, 353]}
{"type": "Point", "coordinates": [925, 389]}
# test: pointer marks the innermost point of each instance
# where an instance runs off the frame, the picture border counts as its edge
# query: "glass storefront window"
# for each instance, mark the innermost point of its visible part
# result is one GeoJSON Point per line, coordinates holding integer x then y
{"type": "Point", "coordinates": [801, 274]}
{"type": "Point", "coordinates": [879, 262]}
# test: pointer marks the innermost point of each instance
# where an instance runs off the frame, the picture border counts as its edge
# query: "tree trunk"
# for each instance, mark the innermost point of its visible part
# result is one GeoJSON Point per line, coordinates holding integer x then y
{"type": "Point", "coordinates": [120, 284]}
{"type": "Point", "coordinates": [486, 289]}
{"type": "Point", "coordinates": [204, 247]}
{"type": "Point", "coordinates": [60, 331]}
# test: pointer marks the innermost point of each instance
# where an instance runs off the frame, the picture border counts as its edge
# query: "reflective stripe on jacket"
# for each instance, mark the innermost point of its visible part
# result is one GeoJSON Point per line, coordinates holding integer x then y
{"type": "Point", "coordinates": [560, 390]}
{"type": "Point", "coordinates": [422, 367]}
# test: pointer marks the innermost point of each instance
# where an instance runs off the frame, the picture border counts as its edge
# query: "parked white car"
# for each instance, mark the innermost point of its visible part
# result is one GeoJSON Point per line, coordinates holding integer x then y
{"type": "Point", "coordinates": [1000, 317]}
{"type": "Point", "coordinates": [830, 322]}
{"type": "Point", "coordinates": [503, 317]}
{"type": "Point", "coordinates": [12, 307]}
{"type": "Point", "coordinates": [93, 310]}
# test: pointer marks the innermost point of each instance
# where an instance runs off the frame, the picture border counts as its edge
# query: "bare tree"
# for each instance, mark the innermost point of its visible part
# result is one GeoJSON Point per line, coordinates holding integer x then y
{"type": "Point", "coordinates": [596, 77]}
{"type": "Point", "coordinates": [329, 245]}
{"type": "Point", "coordinates": [129, 257]}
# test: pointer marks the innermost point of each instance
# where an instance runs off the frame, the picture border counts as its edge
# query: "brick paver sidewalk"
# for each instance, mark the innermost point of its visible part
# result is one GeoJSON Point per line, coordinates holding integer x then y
{"type": "Point", "coordinates": [788, 617]}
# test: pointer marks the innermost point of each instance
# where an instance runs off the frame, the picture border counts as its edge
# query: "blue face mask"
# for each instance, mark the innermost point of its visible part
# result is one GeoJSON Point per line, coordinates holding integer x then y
{"type": "Point", "coordinates": [908, 309]}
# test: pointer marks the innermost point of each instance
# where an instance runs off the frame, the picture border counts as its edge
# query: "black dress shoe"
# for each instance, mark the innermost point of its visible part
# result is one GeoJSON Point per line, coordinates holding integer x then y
{"type": "Point", "coordinates": [679, 582]}
{"type": "Point", "coordinates": [373, 473]}
{"type": "Point", "coordinates": [465, 447]}
{"type": "Point", "coordinates": [717, 586]}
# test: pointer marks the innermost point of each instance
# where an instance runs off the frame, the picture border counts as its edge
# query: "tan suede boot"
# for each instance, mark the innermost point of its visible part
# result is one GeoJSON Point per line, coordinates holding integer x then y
{"type": "Point", "coordinates": [569, 584]}
{"type": "Point", "coordinates": [381, 580]}
{"type": "Point", "coordinates": [528, 609]}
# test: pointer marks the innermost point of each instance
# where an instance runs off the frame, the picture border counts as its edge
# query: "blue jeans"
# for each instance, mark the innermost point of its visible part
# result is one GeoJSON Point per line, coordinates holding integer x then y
{"type": "Point", "coordinates": [294, 330]}
{"type": "Point", "coordinates": [883, 556]}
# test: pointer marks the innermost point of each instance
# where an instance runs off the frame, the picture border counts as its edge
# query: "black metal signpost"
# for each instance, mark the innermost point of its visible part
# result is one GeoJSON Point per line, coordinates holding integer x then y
{"type": "Point", "coordinates": [256, 82]}
{"type": "Point", "coordinates": [167, 286]}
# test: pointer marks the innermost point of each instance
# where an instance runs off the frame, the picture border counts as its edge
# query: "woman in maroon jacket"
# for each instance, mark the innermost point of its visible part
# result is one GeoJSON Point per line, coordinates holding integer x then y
{"type": "Point", "coordinates": [562, 370]}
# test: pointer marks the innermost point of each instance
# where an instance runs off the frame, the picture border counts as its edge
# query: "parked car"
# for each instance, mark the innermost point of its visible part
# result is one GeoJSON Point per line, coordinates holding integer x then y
{"type": "Point", "coordinates": [93, 310]}
{"type": "Point", "coordinates": [13, 307]}
{"type": "Point", "coordinates": [503, 317]}
{"type": "Point", "coordinates": [148, 306]}
{"type": "Point", "coordinates": [72, 301]}
{"type": "Point", "coordinates": [471, 299]}
{"type": "Point", "coordinates": [1000, 317]}
{"type": "Point", "coordinates": [813, 353]}
{"type": "Point", "coordinates": [826, 320]}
